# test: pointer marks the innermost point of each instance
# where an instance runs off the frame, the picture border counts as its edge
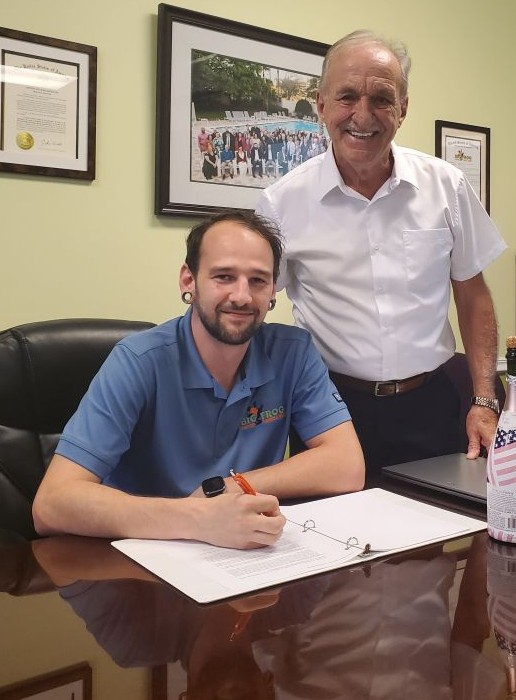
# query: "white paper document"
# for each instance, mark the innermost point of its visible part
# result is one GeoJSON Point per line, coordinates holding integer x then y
{"type": "Point", "coordinates": [319, 536]}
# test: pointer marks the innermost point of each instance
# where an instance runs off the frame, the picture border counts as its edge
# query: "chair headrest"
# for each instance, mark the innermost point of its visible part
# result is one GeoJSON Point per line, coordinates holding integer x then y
{"type": "Point", "coordinates": [46, 367]}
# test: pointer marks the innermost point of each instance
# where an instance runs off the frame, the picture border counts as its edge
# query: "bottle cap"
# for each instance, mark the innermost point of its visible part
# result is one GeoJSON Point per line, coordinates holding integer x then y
{"type": "Point", "coordinates": [511, 342]}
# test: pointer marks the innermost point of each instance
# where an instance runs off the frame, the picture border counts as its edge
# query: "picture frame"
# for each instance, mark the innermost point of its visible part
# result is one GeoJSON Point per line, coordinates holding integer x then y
{"type": "Point", "coordinates": [198, 56]}
{"type": "Point", "coordinates": [48, 94]}
{"type": "Point", "coordinates": [71, 683]}
{"type": "Point", "coordinates": [467, 147]}
{"type": "Point", "coordinates": [168, 682]}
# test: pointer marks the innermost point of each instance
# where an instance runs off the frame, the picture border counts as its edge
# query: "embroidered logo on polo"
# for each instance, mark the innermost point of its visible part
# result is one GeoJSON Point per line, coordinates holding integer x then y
{"type": "Point", "coordinates": [256, 414]}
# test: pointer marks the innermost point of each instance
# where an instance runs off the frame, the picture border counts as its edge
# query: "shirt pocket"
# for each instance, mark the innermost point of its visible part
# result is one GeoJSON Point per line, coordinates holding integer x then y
{"type": "Point", "coordinates": [427, 258]}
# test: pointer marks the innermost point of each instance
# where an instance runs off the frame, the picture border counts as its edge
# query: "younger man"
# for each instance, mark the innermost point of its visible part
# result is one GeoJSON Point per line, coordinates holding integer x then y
{"type": "Point", "coordinates": [173, 409]}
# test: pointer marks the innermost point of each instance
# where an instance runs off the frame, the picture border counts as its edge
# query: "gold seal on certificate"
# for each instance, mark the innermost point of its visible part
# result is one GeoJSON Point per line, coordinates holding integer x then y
{"type": "Point", "coordinates": [24, 140]}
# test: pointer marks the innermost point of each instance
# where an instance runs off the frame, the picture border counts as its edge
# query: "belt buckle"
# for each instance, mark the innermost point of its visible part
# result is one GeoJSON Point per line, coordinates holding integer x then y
{"type": "Point", "coordinates": [391, 392]}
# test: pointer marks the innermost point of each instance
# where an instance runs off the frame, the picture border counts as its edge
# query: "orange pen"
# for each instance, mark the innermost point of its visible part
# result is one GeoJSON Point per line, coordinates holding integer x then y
{"type": "Point", "coordinates": [243, 483]}
{"type": "Point", "coordinates": [240, 624]}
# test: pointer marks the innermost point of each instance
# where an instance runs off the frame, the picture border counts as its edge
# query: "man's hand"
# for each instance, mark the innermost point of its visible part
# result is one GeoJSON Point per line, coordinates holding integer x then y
{"type": "Point", "coordinates": [259, 601]}
{"type": "Point", "coordinates": [481, 425]}
{"type": "Point", "coordinates": [239, 521]}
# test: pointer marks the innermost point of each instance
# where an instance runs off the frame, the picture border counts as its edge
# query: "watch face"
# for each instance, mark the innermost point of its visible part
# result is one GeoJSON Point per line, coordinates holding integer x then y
{"type": "Point", "coordinates": [213, 486]}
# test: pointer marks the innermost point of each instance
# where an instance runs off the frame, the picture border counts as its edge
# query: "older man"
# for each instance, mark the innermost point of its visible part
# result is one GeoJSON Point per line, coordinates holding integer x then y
{"type": "Point", "coordinates": [374, 233]}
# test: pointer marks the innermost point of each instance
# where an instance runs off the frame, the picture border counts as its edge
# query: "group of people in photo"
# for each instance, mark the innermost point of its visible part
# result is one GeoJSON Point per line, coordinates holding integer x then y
{"type": "Point", "coordinates": [256, 151]}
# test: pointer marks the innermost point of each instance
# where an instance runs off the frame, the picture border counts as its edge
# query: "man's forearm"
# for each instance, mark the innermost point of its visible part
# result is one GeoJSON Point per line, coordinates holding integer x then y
{"type": "Point", "coordinates": [477, 323]}
{"type": "Point", "coordinates": [96, 510]}
{"type": "Point", "coordinates": [332, 464]}
{"type": "Point", "coordinates": [71, 500]}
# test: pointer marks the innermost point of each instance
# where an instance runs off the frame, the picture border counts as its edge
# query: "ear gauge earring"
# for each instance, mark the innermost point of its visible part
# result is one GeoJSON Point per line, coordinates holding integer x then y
{"type": "Point", "coordinates": [186, 297]}
{"type": "Point", "coordinates": [272, 304]}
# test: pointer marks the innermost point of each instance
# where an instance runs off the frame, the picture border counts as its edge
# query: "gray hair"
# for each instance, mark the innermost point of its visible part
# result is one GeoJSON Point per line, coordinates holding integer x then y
{"type": "Point", "coordinates": [364, 36]}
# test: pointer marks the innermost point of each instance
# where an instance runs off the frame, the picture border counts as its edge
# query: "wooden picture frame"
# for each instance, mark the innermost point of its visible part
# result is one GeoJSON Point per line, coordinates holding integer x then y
{"type": "Point", "coordinates": [195, 51]}
{"type": "Point", "coordinates": [72, 683]}
{"type": "Point", "coordinates": [467, 147]}
{"type": "Point", "coordinates": [48, 93]}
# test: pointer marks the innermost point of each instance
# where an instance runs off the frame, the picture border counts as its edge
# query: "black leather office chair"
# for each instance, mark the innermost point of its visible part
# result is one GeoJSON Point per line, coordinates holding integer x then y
{"type": "Point", "coordinates": [45, 368]}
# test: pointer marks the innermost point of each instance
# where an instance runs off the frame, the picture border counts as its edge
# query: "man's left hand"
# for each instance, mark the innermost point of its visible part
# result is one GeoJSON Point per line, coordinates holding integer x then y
{"type": "Point", "coordinates": [481, 425]}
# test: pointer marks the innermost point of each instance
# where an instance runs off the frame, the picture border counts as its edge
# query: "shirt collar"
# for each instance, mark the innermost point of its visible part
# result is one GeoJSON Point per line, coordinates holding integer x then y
{"type": "Point", "coordinates": [193, 371]}
{"type": "Point", "coordinates": [257, 368]}
{"type": "Point", "coordinates": [331, 177]}
{"type": "Point", "coordinates": [402, 170]}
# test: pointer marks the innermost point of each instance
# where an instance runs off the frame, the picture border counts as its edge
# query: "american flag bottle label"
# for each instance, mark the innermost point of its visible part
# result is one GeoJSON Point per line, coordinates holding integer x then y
{"type": "Point", "coordinates": [501, 472]}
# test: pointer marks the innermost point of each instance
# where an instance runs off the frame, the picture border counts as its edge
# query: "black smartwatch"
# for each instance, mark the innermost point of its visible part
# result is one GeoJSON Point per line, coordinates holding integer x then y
{"type": "Point", "coordinates": [213, 486]}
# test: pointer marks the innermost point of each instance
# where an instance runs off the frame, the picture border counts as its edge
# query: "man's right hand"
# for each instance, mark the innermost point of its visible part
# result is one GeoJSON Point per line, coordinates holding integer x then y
{"type": "Point", "coordinates": [239, 520]}
{"type": "Point", "coordinates": [71, 499]}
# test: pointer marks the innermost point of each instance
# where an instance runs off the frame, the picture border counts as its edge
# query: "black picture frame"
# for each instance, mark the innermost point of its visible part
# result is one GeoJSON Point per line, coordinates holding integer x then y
{"type": "Point", "coordinates": [75, 680]}
{"type": "Point", "coordinates": [180, 32]}
{"type": "Point", "coordinates": [48, 98]}
{"type": "Point", "coordinates": [468, 147]}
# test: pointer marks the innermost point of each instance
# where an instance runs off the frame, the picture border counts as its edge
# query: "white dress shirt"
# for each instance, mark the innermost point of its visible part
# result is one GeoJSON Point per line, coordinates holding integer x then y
{"type": "Point", "coordinates": [370, 279]}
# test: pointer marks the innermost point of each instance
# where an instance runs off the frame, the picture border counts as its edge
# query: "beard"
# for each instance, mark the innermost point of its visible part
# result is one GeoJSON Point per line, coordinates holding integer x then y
{"type": "Point", "coordinates": [215, 327]}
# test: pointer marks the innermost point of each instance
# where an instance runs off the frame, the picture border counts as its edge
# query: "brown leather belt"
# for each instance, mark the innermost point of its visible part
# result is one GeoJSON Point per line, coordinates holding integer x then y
{"type": "Point", "coordinates": [382, 389]}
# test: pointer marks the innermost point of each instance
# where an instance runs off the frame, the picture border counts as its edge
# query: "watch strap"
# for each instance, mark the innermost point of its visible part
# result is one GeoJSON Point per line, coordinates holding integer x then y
{"type": "Point", "coordinates": [486, 402]}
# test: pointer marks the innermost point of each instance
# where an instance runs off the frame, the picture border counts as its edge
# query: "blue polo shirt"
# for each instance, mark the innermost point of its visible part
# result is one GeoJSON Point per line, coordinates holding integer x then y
{"type": "Point", "coordinates": [155, 422]}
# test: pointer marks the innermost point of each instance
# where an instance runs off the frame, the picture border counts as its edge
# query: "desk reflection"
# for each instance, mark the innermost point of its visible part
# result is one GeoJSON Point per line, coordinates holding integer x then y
{"type": "Point", "coordinates": [141, 621]}
{"type": "Point", "coordinates": [501, 586]}
{"type": "Point", "coordinates": [389, 630]}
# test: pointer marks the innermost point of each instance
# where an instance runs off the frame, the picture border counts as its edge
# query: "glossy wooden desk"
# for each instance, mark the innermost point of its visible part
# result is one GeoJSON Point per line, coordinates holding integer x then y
{"type": "Point", "coordinates": [418, 626]}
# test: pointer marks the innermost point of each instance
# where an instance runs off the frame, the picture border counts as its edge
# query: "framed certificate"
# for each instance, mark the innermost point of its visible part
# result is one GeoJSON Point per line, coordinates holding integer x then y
{"type": "Point", "coordinates": [468, 148]}
{"type": "Point", "coordinates": [47, 106]}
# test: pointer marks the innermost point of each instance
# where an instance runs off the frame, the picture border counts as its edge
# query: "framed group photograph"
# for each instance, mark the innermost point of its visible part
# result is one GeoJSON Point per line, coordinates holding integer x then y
{"type": "Point", "coordinates": [72, 683]}
{"type": "Point", "coordinates": [235, 111]}
{"type": "Point", "coordinates": [468, 148]}
{"type": "Point", "coordinates": [47, 105]}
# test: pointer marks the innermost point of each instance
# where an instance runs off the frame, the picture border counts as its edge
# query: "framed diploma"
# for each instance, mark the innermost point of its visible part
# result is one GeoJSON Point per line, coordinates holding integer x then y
{"type": "Point", "coordinates": [236, 110]}
{"type": "Point", "coordinates": [468, 148]}
{"type": "Point", "coordinates": [47, 106]}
